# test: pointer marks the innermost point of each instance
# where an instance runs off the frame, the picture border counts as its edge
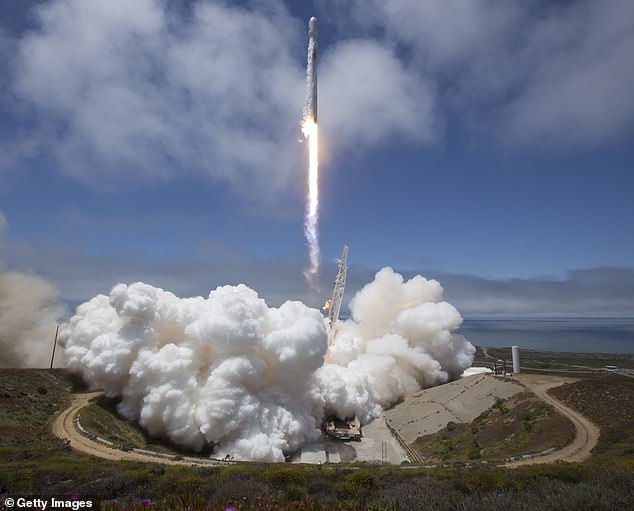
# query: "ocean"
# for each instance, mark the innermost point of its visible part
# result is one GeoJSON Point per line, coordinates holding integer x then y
{"type": "Point", "coordinates": [585, 335]}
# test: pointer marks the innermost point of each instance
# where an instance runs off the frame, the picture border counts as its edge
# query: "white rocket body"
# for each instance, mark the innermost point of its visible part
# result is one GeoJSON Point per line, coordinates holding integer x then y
{"type": "Point", "coordinates": [310, 108]}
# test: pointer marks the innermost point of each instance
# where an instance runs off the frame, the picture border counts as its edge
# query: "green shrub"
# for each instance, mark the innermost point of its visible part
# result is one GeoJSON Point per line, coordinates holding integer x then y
{"type": "Point", "coordinates": [240, 471]}
{"type": "Point", "coordinates": [295, 492]}
{"type": "Point", "coordinates": [488, 479]}
{"type": "Point", "coordinates": [608, 438]}
{"type": "Point", "coordinates": [562, 472]}
{"type": "Point", "coordinates": [362, 482]}
{"type": "Point", "coordinates": [284, 476]}
{"type": "Point", "coordinates": [474, 452]}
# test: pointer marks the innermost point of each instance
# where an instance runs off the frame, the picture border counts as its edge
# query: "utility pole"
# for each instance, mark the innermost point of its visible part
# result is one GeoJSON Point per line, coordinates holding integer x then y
{"type": "Point", "coordinates": [54, 345]}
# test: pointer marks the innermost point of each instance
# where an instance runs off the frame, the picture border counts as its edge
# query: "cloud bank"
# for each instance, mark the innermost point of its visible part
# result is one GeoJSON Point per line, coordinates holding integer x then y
{"type": "Point", "coordinates": [602, 291]}
{"type": "Point", "coordinates": [77, 275]}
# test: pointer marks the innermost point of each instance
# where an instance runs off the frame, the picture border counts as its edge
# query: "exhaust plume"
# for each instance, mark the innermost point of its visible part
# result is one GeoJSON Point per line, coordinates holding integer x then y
{"type": "Point", "coordinates": [254, 382]}
{"type": "Point", "coordinates": [29, 312]}
{"type": "Point", "coordinates": [311, 131]}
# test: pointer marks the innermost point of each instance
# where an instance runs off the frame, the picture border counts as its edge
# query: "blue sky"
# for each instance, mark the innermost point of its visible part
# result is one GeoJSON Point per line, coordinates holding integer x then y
{"type": "Point", "coordinates": [488, 145]}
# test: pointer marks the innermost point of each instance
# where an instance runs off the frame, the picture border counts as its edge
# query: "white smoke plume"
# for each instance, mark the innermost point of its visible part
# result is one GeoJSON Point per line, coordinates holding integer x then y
{"type": "Point", "coordinates": [29, 312]}
{"type": "Point", "coordinates": [310, 103]}
{"type": "Point", "coordinates": [399, 339]}
{"type": "Point", "coordinates": [255, 381]}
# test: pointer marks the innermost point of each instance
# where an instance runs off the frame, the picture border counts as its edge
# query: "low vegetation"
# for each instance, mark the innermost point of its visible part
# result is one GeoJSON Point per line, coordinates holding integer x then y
{"type": "Point", "coordinates": [609, 403]}
{"type": "Point", "coordinates": [522, 424]}
{"type": "Point", "coordinates": [33, 462]}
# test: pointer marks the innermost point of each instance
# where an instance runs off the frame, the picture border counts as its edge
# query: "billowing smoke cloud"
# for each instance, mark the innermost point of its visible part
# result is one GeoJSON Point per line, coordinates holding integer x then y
{"type": "Point", "coordinates": [29, 311]}
{"type": "Point", "coordinates": [400, 338]}
{"type": "Point", "coordinates": [255, 381]}
{"type": "Point", "coordinates": [226, 370]}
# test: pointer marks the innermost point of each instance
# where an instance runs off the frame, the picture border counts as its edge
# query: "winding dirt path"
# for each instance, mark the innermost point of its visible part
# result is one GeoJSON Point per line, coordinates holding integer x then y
{"type": "Point", "coordinates": [587, 434]}
{"type": "Point", "coordinates": [64, 426]}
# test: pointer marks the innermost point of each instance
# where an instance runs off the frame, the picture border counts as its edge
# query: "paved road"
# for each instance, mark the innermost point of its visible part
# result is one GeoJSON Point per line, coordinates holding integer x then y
{"type": "Point", "coordinates": [64, 427]}
{"type": "Point", "coordinates": [587, 434]}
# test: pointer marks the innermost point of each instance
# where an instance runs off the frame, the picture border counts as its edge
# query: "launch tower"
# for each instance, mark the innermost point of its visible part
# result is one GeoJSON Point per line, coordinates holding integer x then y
{"type": "Point", "coordinates": [334, 304]}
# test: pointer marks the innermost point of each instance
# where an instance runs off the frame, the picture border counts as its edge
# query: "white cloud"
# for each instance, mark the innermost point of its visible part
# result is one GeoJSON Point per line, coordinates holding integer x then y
{"type": "Point", "coordinates": [367, 91]}
{"type": "Point", "coordinates": [580, 89]}
{"type": "Point", "coordinates": [129, 89]}
{"type": "Point", "coordinates": [531, 73]}
{"type": "Point", "coordinates": [140, 91]}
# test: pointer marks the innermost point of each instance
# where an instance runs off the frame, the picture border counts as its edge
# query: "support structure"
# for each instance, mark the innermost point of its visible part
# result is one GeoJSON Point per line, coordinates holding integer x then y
{"type": "Point", "coordinates": [334, 304]}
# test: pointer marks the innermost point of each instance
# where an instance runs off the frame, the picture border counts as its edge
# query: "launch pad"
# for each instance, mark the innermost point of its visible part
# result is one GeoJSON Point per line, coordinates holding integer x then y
{"type": "Point", "coordinates": [348, 429]}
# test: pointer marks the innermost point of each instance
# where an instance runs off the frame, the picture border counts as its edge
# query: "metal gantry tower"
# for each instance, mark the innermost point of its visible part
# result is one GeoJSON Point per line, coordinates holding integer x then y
{"type": "Point", "coordinates": [334, 306]}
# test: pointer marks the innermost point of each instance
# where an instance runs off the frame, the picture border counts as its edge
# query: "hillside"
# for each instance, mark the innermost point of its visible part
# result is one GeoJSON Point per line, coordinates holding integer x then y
{"type": "Point", "coordinates": [35, 462]}
{"type": "Point", "coordinates": [609, 403]}
{"type": "Point", "coordinates": [521, 424]}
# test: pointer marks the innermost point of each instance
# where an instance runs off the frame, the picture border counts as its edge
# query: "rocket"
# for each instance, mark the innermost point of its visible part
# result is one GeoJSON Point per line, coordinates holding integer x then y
{"type": "Point", "coordinates": [311, 71]}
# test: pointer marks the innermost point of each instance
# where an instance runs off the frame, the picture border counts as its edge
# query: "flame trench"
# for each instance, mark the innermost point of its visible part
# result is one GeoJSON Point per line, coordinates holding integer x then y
{"type": "Point", "coordinates": [311, 221]}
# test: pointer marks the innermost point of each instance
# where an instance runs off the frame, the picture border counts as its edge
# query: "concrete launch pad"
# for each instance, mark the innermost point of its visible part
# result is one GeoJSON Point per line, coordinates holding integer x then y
{"type": "Point", "coordinates": [429, 410]}
{"type": "Point", "coordinates": [377, 445]}
{"type": "Point", "coordinates": [422, 413]}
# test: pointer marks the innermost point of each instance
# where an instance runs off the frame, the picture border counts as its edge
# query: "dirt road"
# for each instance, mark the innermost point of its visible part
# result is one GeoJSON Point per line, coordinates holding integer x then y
{"type": "Point", "coordinates": [64, 426]}
{"type": "Point", "coordinates": [587, 434]}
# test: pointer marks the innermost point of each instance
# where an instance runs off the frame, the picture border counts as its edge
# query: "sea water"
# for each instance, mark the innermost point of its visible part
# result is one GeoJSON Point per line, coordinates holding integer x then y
{"type": "Point", "coordinates": [586, 335]}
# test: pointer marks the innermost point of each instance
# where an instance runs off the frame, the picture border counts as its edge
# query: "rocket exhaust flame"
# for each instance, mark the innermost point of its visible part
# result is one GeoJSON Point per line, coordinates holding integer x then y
{"type": "Point", "coordinates": [310, 131]}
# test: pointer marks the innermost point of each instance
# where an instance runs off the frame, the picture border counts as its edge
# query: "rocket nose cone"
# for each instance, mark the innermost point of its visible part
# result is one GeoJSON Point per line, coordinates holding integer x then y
{"type": "Point", "coordinates": [312, 26]}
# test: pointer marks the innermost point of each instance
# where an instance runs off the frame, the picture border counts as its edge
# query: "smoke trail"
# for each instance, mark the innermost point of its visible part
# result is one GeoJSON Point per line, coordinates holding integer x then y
{"type": "Point", "coordinates": [310, 131]}
{"type": "Point", "coordinates": [255, 382]}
